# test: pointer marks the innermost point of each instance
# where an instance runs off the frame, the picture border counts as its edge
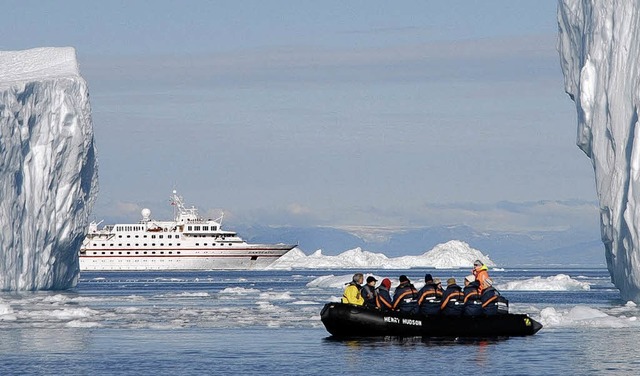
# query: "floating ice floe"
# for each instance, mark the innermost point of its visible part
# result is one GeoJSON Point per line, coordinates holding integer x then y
{"type": "Point", "coordinates": [275, 296]}
{"type": "Point", "coordinates": [339, 281]}
{"type": "Point", "coordinates": [6, 312]}
{"type": "Point", "coordinates": [583, 316]}
{"type": "Point", "coordinates": [193, 294]}
{"type": "Point", "coordinates": [560, 282]}
{"type": "Point", "coordinates": [330, 281]}
{"type": "Point", "coordinates": [450, 255]}
{"type": "Point", "coordinates": [238, 291]}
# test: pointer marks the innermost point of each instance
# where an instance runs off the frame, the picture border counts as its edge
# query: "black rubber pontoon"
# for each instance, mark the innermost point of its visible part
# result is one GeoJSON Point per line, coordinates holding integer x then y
{"type": "Point", "coordinates": [346, 320]}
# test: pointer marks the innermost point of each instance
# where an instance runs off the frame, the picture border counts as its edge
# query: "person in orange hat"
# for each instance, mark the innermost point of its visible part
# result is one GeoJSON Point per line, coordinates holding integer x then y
{"type": "Point", "coordinates": [383, 298]}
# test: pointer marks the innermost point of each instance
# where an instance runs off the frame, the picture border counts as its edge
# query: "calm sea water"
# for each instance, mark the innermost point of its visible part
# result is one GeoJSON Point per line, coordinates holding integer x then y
{"type": "Point", "coordinates": [193, 323]}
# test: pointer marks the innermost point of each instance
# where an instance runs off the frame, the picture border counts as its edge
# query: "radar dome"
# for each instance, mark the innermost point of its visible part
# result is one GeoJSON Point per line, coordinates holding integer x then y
{"type": "Point", "coordinates": [146, 213]}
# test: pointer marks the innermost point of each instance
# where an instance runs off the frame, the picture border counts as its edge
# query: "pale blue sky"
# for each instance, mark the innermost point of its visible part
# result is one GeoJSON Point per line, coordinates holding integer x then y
{"type": "Point", "coordinates": [307, 112]}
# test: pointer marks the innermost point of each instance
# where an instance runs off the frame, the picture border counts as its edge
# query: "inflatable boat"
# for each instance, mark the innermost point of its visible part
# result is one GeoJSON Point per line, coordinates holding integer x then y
{"type": "Point", "coordinates": [346, 320]}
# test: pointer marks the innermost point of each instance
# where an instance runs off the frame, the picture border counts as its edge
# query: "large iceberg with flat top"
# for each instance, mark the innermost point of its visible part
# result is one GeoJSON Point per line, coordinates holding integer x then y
{"type": "Point", "coordinates": [48, 175]}
{"type": "Point", "coordinates": [599, 45]}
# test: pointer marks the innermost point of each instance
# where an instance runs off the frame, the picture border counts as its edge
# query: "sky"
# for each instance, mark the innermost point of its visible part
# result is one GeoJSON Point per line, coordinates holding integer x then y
{"type": "Point", "coordinates": [361, 113]}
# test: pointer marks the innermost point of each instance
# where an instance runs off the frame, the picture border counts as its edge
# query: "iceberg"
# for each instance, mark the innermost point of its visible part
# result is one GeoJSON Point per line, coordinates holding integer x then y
{"type": "Point", "coordinates": [560, 282]}
{"type": "Point", "coordinates": [598, 53]}
{"type": "Point", "coordinates": [449, 255]}
{"type": "Point", "coordinates": [48, 171]}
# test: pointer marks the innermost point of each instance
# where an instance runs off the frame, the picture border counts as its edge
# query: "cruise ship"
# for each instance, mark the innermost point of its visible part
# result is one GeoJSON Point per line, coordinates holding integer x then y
{"type": "Point", "coordinates": [189, 242]}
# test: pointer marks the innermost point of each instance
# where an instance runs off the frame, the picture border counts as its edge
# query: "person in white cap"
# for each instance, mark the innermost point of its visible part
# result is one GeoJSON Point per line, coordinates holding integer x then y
{"type": "Point", "coordinates": [491, 299]}
{"type": "Point", "coordinates": [471, 291]}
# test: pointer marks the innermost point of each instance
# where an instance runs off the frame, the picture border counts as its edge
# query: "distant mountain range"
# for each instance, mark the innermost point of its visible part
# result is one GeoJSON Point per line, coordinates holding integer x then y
{"type": "Point", "coordinates": [578, 247]}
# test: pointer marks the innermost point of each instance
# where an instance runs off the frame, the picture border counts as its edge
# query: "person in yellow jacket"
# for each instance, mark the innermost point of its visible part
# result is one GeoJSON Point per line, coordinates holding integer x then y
{"type": "Point", "coordinates": [351, 293]}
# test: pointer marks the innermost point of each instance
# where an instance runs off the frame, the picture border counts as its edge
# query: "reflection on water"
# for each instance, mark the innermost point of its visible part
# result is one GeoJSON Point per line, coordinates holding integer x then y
{"type": "Point", "coordinates": [43, 341]}
{"type": "Point", "coordinates": [474, 350]}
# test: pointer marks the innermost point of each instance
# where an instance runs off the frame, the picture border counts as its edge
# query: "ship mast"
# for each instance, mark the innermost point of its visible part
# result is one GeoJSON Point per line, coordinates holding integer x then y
{"type": "Point", "coordinates": [180, 212]}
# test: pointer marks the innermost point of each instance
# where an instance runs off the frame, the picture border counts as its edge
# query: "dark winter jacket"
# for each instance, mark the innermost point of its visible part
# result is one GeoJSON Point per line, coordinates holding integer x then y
{"type": "Point", "coordinates": [429, 299]}
{"type": "Point", "coordinates": [452, 301]}
{"type": "Point", "coordinates": [405, 298]}
{"type": "Point", "coordinates": [383, 299]}
{"type": "Point", "coordinates": [369, 295]}
{"type": "Point", "coordinates": [472, 303]}
{"type": "Point", "coordinates": [489, 299]}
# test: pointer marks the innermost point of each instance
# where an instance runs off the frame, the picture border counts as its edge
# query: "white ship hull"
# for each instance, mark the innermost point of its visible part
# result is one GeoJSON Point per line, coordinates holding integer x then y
{"type": "Point", "coordinates": [248, 258]}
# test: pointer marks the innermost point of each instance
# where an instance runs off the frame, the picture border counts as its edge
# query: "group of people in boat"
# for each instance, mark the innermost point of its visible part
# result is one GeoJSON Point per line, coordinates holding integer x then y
{"type": "Point", "coordinates": [476, 298]}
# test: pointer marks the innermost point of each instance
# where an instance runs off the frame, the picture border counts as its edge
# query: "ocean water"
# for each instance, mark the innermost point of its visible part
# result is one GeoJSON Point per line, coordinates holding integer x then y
{"type": "Point", "coordinates": [267, 322]}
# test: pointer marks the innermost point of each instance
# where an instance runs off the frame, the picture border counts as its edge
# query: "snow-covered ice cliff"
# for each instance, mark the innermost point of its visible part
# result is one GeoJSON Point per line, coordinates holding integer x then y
{"type": "Point", "coordinates": [48, 175]}
{"type": "Point", "coordinates": [599, 45]}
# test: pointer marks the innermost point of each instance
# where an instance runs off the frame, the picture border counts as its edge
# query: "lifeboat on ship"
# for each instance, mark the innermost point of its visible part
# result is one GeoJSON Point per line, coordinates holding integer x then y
{"type": "Point", "coordinates": [347, 320]}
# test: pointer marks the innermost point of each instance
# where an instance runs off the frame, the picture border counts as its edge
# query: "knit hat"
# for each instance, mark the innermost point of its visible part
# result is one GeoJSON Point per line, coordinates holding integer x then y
{"type": "Point", "coordinates": [403, 278]}
{"type": "Point", "coordinates": [386, 283]}
{"type": "Point", "coordinates": [451, 281]}
{"type": "Point", "coordinates": [428, 278]}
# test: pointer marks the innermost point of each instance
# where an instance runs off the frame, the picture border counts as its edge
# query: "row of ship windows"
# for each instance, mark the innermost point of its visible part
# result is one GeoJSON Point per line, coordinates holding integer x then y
{"type": "Point", "coordinates": [136, 253]}
{"type": "Point", "coordinates": [129, 228]}
{"type": "Point", "coordinates": [169, 236]}
{"type": "Point", "coordinates": [189, 228]}
{"type": "Point", "coordinates": [152, 236]}
{"type": "Point", "coordinates": [204, 228]}
{"type": "Point", "coordinates": [154, 244]}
